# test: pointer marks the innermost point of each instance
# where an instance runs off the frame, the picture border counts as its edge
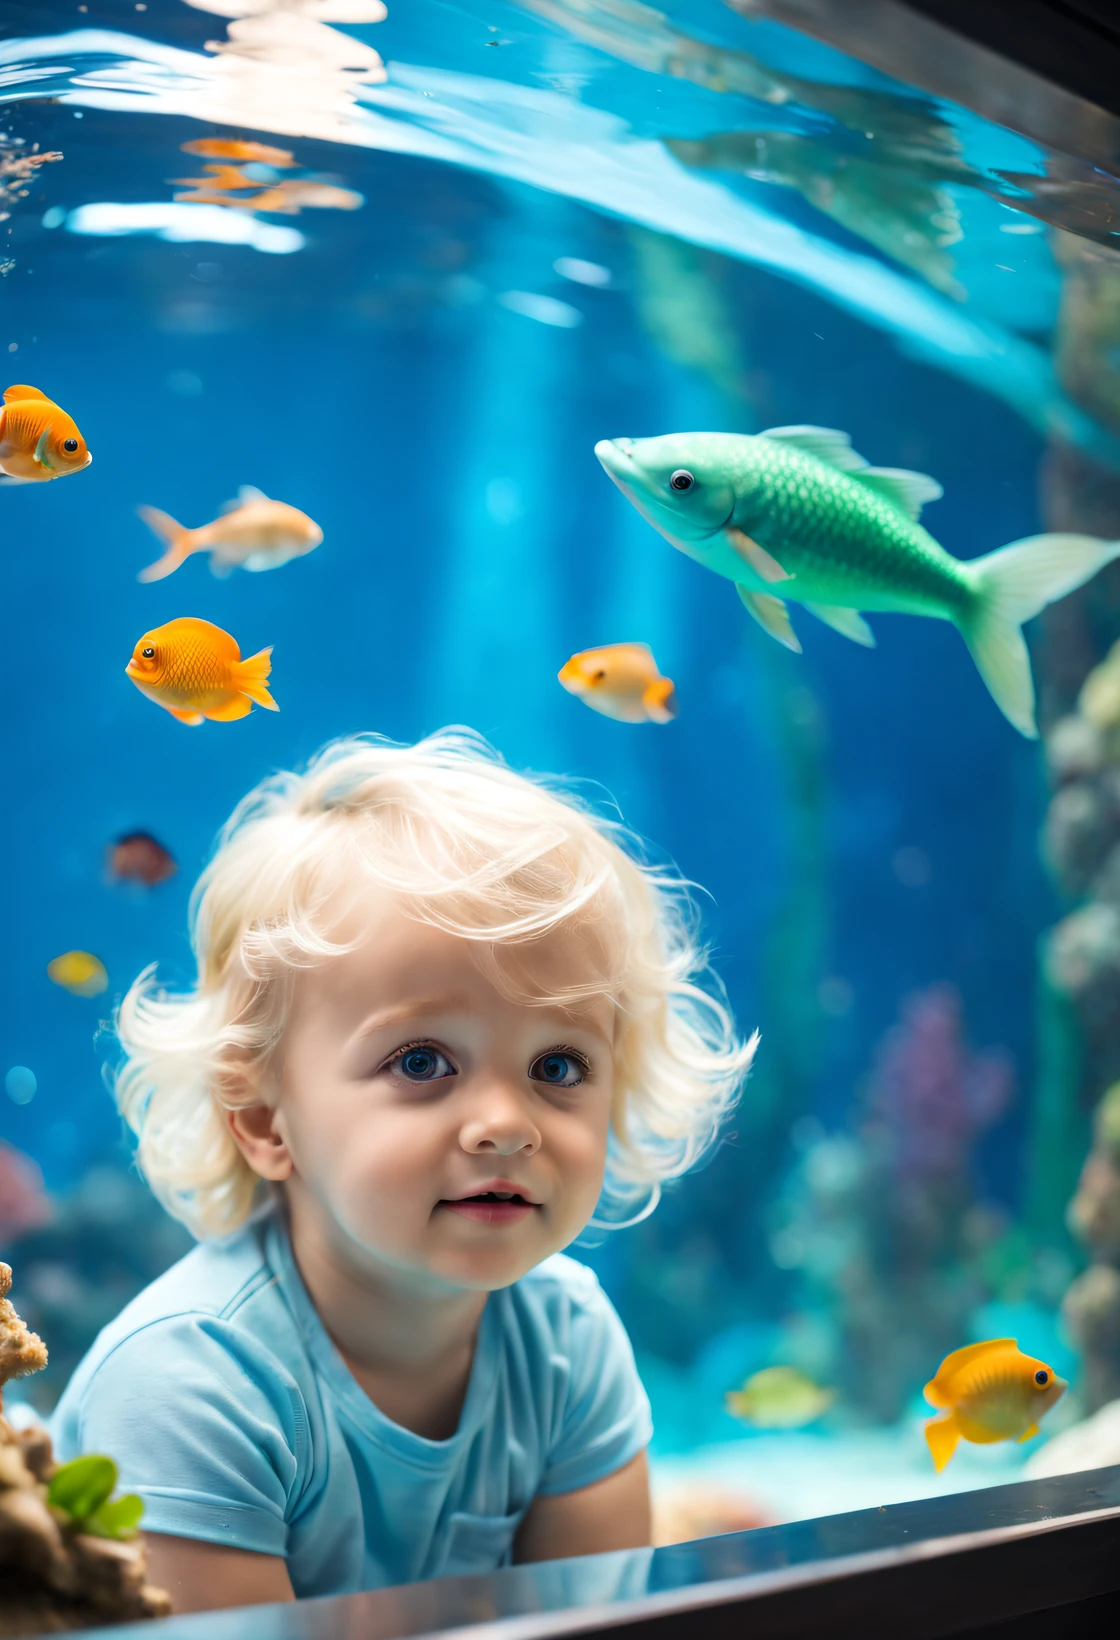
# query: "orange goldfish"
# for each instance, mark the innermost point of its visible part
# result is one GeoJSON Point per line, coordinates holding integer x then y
{"type": "Point", "coordinates": [195, 671]}
{"type": "Point", "coordinates": [621, 680]}
{"type": "Point", "coordinates": [245, 153]}
{"type": "Point", "coordinates": [38, 440]}
{"type": "Point", "coordinates": [990, 1392]}
{"type": "Point", "coordinates": [253, 533]}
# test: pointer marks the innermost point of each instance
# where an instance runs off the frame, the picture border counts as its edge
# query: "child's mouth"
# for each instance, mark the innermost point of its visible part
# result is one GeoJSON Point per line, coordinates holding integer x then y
{"type": "Point", "coordinates": [491, 1207]}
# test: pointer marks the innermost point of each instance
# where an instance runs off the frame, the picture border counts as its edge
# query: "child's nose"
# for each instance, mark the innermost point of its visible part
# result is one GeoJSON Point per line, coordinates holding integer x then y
{"type": "Point", "coordinates": [499, 1121]}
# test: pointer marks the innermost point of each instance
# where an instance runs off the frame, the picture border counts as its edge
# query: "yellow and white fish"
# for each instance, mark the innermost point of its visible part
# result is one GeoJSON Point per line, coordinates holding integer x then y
{"type": "Point", "coordinates": [779, 1398]}
{"type": "Point", "coordinates": [79, 972]}
{"type": "Point", "coordinates": [988, 1392]}
{"type": "Point", "coordinates": [252, 533]}
{"type": "Point", "coordinates": [621, 681]}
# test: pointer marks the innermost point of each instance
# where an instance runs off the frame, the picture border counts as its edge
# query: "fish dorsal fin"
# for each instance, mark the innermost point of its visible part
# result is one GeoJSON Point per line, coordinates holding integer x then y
{"type": "Point", "coordinates": [826, 443]}
{"type": "Point", "coordinates": [962, 1357]}
{"type": "Point", "coordinates": [906, 492]}
{"type": "Point", "coordinates": [25, 392]}
{"type": "Point", "coordinates": [247, 494]}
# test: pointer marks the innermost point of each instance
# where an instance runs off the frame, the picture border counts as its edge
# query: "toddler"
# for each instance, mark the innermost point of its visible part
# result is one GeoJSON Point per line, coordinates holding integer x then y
{"type": "Point", "coordinates": [443, 1014]}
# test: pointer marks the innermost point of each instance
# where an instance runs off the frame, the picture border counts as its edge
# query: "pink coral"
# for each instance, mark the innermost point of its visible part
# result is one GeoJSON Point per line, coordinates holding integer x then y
{"type": "Point", "coordinates": [930, 1094]}
{"type": "Point", "coordinates": [24, 1203]}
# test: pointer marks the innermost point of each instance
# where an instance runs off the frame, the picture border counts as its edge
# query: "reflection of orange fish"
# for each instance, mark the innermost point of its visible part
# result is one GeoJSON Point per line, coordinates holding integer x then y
{"type": "Point", "coordinates": [38, 440]}
{"type": "Point", "coordinates": [218, 176]}
{"type": "Point", "coordinates": [194, 670]}
{"type": "Point", "coordinates": [245, 153]}
{"type": "Point", "coordinates": [621, 680]}
{"type": "Point", "coordinates": [990, 1392]}
{"type": "Point", "coordinates": [285, 199]}
{"type": "Point", "coordinates": [139, 858]}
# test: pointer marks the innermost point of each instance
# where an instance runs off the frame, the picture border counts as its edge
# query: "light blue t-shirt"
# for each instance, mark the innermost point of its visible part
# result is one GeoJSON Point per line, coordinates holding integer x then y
{"type": "Point", "coordinates": [231, 1412]}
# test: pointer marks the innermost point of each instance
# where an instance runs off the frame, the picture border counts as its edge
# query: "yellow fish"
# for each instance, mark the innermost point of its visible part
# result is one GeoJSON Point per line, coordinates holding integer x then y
{"type": "Point", "coordinates": [990, 1392]}
{"type": "Point", "coordinates": [779, 1398]}
{"type": "Point", "coordinates": [195, 671]}
{"type": "Point", "coordinates": [79, 973]}
{"type": "Point", "coordinates": [621, 680]}
{"type": "Point", "coordinates": [253, 533]}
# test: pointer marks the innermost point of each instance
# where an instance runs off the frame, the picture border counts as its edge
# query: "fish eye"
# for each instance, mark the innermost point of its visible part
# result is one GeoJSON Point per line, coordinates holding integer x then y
{"type": "Point", "coordinates": [70, 445]}
{"type": "Point", "coordinates": [1042, 1377]}
{"type": "Point", "coordinates": [681, 480]}
{"type": "Point", "coordinates": [599, 676]}
{"type": "Point", "coordinates": [149, 653]}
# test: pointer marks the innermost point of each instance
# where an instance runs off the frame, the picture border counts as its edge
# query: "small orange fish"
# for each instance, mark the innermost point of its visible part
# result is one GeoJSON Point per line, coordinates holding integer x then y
{"type": "Point", "coordinates": [245, 153]}
{"type": "Point", "coordinates": [38, 440]}
{"type": "Point", "coordinates": [621, 680]}
{"type": "Point", "coordinates": [139, 857]}
{"type": "Point", "coordinates": [253, 533]}
{"type": "Point", "coordinates": [990, 1392]}
{"type": "Point", "coordinates": [194, 670]}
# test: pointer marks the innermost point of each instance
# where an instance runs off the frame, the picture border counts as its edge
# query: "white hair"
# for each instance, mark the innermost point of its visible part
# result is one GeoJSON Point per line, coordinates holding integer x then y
{"type": "Point", "coordinates": [465, 844]}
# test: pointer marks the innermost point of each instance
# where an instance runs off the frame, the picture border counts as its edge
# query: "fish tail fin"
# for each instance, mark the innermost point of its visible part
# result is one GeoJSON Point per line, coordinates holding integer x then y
{"type": "Point", "coordinates": [660, 700]}
{"type": "Point", "coordinates": [942, 1435]}
{"type": "Point", "coordinates": [175, 537]}
{"type": "Point", "coordinates": [1011, 585]}
{"type": "Point", "coordinates": [250, 677]}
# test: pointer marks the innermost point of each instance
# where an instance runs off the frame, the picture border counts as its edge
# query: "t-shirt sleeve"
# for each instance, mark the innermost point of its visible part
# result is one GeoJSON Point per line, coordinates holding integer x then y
{"type": "Point", "coordinates": [606, 1419]}
{"type": "Point", "coordinates": [203, 1423]}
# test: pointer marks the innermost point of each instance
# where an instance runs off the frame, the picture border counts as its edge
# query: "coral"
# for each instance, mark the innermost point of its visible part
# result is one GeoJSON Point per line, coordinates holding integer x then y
{"type": "Point", "coordinates": [929, 1095]}
{"type": "Point", "coordinates": [69, 1555]}
{"type": "Point", "coordinates": [24, 1203]}
{"type": "Point", "coordinates": [884, 1223]}
{"type": "Point", "coordinates": [1092, 1304]}
{"type": "Point", "coordinates": [21, 1350]}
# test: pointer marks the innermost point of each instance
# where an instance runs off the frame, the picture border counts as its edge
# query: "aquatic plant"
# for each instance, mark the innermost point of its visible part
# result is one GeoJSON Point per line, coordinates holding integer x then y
{"type": "Point", "coordinates": [884, 1223]}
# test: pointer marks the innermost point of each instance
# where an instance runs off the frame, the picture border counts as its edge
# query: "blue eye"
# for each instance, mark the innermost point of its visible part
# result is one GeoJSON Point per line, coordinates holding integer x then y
{"type": "Point", "coordinates": [423, 1064]}
{"type": "Point", "coordinates": [1042, 1377]}
{"type": "Point", "coordinates": [558, 1070]}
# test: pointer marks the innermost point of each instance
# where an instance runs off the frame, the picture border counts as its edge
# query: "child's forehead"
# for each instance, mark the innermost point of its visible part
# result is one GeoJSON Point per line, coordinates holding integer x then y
{"type": "Point", "coordinates": [394, 951]}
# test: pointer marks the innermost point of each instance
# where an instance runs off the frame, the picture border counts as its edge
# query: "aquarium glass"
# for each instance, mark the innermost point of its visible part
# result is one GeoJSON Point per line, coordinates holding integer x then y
{"type": "Point", "coordinates": [403, 270]}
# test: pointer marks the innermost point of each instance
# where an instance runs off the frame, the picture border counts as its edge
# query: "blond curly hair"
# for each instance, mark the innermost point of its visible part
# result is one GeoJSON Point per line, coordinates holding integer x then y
{"type": "Point", "coordinates": [465, 844]}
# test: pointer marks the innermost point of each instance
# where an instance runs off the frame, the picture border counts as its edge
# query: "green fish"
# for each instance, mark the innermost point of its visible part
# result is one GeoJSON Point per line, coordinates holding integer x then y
{"type": "Point", "coordinates": [779, 1398]}
{"type": "Point", "coordinates": [795, 514]}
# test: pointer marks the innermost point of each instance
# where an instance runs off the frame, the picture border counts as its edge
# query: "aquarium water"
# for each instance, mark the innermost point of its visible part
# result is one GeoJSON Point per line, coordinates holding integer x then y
{"type": "Point", "coordinates": [402, 270]}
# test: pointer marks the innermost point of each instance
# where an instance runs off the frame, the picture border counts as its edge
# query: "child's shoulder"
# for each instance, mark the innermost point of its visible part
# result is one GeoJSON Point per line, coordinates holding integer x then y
{"type": "Point", "coordinates": [217, 1281]}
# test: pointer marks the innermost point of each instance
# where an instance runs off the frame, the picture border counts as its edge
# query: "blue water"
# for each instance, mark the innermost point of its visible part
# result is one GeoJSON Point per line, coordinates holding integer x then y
{"type": "Point", "coordinates": [871, 810]}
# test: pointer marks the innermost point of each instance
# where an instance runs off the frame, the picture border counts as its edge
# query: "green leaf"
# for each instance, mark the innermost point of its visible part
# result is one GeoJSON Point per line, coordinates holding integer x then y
{"type": "Point", "coordinates": [81, 1487]}
{"type": "Point", "coordinates": [117, 1519]}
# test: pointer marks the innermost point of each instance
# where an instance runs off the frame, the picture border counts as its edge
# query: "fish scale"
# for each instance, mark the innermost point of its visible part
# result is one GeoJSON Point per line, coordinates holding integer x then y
{"type": "Point", "coordinates": [835, 536]}
{"type": "Point", "coordinates": [198, 672]}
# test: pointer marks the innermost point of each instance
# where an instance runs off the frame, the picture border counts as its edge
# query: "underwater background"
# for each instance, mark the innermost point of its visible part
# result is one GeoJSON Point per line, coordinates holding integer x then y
{"type": "Point", "coordinates": [505, 231]}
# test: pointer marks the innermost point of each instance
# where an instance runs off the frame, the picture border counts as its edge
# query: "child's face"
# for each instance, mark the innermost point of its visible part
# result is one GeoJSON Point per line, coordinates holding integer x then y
{"type": "Point", "coordinates": [409, 1085]}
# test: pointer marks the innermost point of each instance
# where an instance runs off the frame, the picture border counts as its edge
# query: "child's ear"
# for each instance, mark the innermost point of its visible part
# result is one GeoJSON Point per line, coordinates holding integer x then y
{"type": "Point", "coordinates": [259, 1140]}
